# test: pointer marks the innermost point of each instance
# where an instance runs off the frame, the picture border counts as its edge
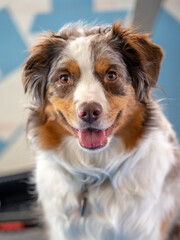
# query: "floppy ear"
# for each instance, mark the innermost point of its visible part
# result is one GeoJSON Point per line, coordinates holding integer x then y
{"type": "Point", "coordinates": [142, 57]}
{"type": "Point", "coordinates": [37, 67]}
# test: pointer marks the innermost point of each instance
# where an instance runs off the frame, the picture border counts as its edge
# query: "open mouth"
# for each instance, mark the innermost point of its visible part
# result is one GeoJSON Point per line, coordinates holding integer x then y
{"type": "Point", "coordinates": [92, 138]}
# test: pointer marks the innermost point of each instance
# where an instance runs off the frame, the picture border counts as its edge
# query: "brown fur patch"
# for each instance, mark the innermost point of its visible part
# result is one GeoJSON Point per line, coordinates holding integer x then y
{"type": "Point", "coordinates": [46, 128]}
{"type": "Point", "coordinates": [130, 123]}
{"type": "Point", "coordinates": [53, 120]}
{"type": "Point", "coordinates": [170, 230]}
{"type": "Point", "coordinates": [51, 134]}
{"type": "Point", "coordinates": [52, 124]}
{"type": "Point", "coordinates": [66, 106]}
{"type": "Point", "coordinates": [164, 228]}
{"type": "Point", "coordinates": [175, 233]}
{"type": "Point", "coordinates": [73, 68]}
{"type": "Point", "coordinates": [101, 65]}
{"type": "Point", "coordinates": [116, 104]}
{"type": "Point", "coordinates": [133, 129]}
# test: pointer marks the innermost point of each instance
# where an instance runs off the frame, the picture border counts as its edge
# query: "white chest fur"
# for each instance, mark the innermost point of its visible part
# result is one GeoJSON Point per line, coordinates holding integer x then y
{"type": "Point", "coordinates": [128, 207]}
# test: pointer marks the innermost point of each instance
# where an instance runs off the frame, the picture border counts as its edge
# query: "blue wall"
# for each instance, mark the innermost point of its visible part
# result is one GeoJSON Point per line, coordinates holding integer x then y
{"type": "Point", "coordinates": [166, 33]}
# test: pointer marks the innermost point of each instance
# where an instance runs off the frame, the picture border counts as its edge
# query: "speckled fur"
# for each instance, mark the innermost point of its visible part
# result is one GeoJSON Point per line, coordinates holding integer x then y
{"type": "Point", "coordinates": [133, 182]}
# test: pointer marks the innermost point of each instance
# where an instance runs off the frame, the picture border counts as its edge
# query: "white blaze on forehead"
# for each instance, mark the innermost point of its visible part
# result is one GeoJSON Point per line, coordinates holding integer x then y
{"type": "Point", "coordinates": [80, 50]}
{"type": "Point", "coordinates": [88, 88]}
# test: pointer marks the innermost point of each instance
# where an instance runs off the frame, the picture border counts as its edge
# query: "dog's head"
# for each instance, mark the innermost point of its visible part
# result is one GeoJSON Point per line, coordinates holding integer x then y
{"type": "Point", "coordinates": [91, 83]}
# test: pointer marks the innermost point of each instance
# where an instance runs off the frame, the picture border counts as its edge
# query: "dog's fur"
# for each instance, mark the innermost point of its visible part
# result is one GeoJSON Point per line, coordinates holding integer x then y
{"type": "Point", "coordinates": [131, 175]}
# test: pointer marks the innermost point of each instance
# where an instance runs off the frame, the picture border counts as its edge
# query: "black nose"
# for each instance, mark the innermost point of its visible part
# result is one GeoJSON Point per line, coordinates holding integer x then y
{"type": "Point", "coordinates": [89, 112]}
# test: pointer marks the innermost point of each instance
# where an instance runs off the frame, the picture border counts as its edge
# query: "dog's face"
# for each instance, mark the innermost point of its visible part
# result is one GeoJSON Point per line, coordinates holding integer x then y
{"type": "Point", "coordinates": [92, 84]}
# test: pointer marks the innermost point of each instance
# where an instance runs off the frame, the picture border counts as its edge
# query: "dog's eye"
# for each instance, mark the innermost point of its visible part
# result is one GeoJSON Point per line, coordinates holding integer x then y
{"type": "Point", "coordinates": [65, 78]}
{"type": "Point", "coordinates": [111, 76]}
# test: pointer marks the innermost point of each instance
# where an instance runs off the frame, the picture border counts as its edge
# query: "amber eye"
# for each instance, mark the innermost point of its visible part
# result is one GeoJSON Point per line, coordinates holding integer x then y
{"type": "Point", "coordinates": [65, 78]}
{"type": "Point", "coordinates": [111, 76]}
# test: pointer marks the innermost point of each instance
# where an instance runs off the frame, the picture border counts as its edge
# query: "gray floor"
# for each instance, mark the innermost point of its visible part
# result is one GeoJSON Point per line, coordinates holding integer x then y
{"type": "Point", "coordinates": [30, 234]}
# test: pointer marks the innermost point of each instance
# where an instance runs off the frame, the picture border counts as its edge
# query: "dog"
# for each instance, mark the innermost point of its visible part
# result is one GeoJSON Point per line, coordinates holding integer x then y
{"type": "Point", "coordinates": [107, 158]}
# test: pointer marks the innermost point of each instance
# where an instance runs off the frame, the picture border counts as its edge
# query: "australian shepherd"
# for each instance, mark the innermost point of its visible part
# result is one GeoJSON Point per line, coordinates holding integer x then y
{"type": "Point", "coordinates": [107, 158]}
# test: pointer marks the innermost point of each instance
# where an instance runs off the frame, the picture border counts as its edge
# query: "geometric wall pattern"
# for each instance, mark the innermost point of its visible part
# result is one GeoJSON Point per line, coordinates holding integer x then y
{"type": "Point", "coordinates": [21, 22]}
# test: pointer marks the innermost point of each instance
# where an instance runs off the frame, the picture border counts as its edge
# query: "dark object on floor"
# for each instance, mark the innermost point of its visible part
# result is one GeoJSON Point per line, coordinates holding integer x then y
{"type": "Point", "coordinates": [17, 202]}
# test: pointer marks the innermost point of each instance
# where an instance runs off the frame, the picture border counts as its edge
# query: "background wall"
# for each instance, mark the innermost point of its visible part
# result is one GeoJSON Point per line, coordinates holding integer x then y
{"type": "Point", "coordinates": [21, 21]}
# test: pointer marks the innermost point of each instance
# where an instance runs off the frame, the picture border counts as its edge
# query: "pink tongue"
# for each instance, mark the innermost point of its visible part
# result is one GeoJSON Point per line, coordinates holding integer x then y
{"type": "Point", "coordinates": [91, 138]}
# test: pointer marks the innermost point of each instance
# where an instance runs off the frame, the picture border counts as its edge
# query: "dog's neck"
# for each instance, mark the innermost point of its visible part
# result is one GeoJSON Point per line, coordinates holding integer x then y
{"type": "Point", "coordinates": [89, 182]}
{"type": "Point", "coordinates": [92, 169]}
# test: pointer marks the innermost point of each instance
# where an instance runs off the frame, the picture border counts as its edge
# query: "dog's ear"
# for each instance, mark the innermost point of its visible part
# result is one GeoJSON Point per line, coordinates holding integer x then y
{"type": "Point", "coordinates": [142, 57]}
{"type": "Point", "coordinates": [37, 67]}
